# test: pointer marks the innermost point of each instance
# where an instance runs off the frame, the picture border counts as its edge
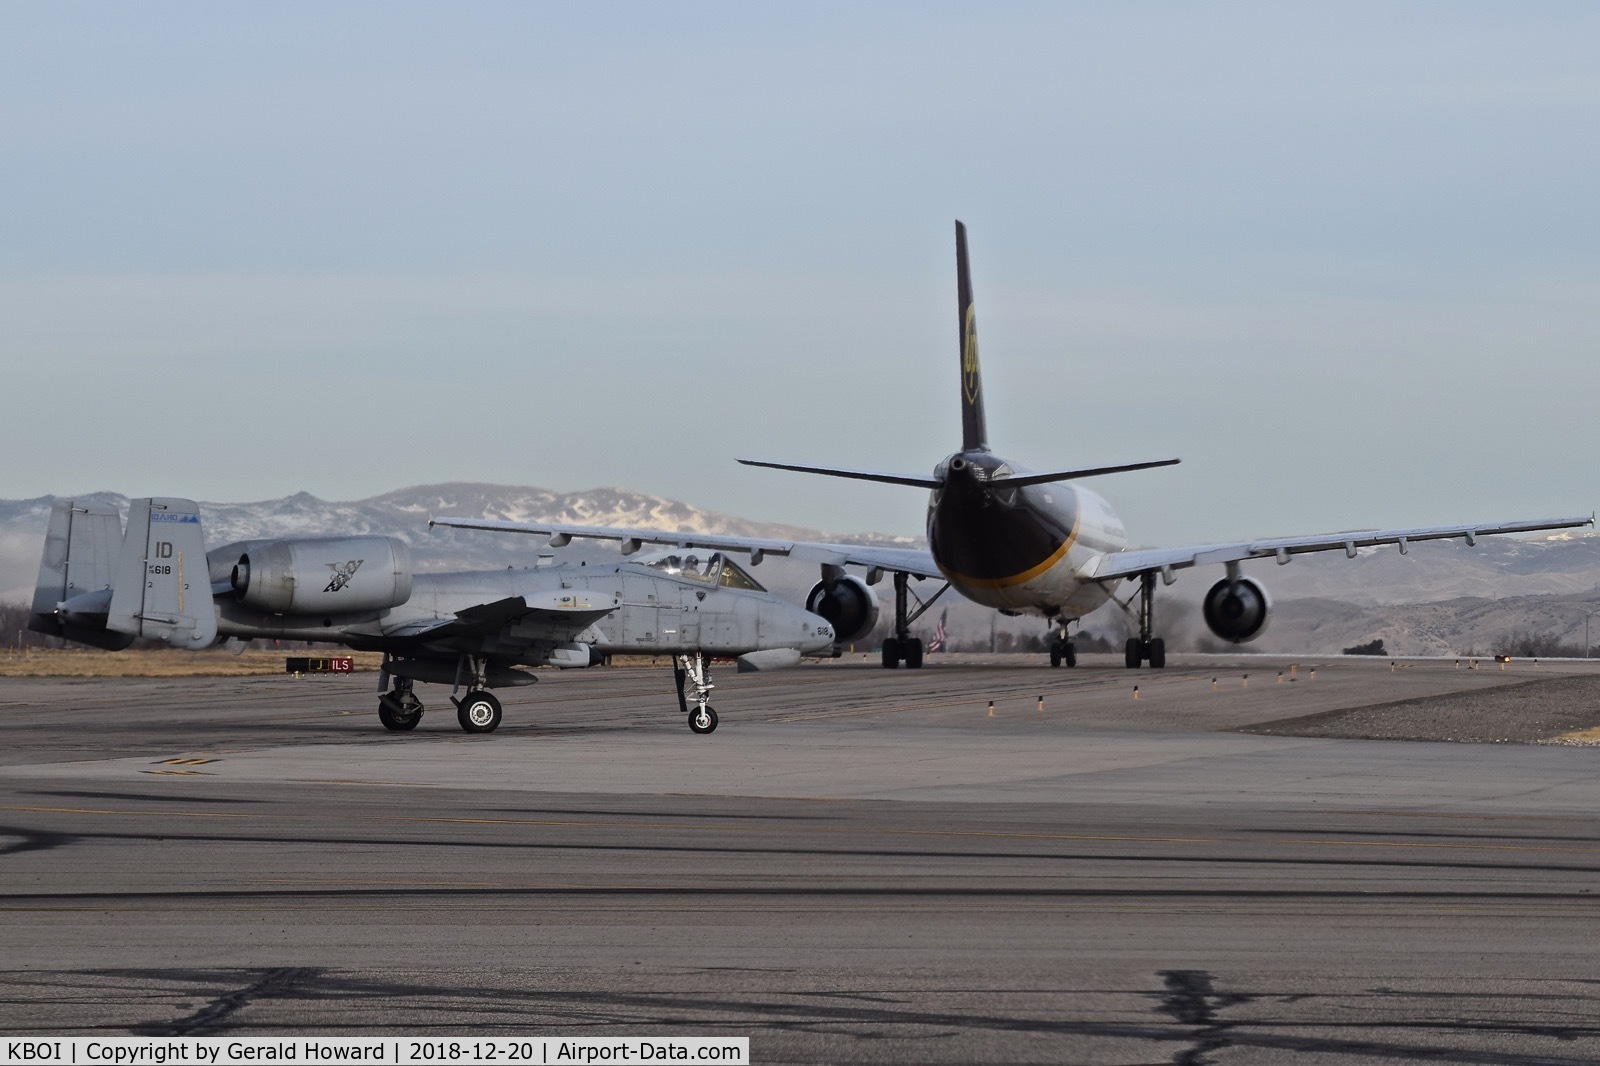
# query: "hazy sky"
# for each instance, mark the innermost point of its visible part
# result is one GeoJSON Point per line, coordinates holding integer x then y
{"type": "Point", "coordinates": [1343, 259]}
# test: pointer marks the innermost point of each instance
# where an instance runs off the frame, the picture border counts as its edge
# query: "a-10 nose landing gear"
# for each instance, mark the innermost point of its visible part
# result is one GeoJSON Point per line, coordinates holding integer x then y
{"type": "Point", "coordinates": [695, 672]}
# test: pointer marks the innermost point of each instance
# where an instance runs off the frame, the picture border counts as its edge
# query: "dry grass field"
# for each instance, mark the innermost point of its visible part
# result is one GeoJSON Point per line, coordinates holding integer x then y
{"type": "Point", "coordinates": [218, 662]}
{"type": "Point", "coordinates": [214, 662]}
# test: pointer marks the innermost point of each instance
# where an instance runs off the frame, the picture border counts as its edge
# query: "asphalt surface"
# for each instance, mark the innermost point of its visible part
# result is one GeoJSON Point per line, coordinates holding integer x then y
{"type": "Point", "coordinates": [859, 865]}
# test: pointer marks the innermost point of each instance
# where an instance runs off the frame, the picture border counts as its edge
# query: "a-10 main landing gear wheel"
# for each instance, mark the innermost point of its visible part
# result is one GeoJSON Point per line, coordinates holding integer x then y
{"type": "Point", "coordinates": [399, 709]}
{"type": "Point", "coordinates": [479, 712]}
{"type": "Point", "coordinates": [396, 723]}
{"type": "Point", "coordinates": [703, 720]}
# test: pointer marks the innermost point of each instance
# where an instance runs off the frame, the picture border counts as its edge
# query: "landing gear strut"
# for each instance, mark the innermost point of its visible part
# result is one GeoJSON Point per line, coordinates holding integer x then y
{"type": "Point", "coordinates": [1144, 647]}
{"type": "Point", "coordinates": [695, 672]}
{"type": "Point", "coordinates": [1062, 650]}
{"type": "Point", "coordinates": [903, 647]}
{"type": "Point", "coordinates": [399, 709]}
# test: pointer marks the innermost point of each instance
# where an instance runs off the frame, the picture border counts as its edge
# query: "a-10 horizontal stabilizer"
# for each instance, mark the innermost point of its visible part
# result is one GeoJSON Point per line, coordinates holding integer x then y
{"type": "Point", "coordinates": [163, 588]}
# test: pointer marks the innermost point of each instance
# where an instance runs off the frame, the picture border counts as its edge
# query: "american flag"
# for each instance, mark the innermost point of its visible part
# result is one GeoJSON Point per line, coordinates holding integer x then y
{"type": "Point", "coordinates": [937, 643]}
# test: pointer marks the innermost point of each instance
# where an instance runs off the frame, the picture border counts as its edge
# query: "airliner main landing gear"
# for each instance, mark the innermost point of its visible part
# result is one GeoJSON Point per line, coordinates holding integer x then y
{"type": "Point", "coordinates": [897, 650]}
{"type": "Point", "coordinates": [399, 709]}
{"type": "Point", "coordinates": [695, 672]}
{"type": "Point", "coordinates": [1144, 647]}
{"type": "Point", "coordinates": [903, 647]}
{"type": "Point", "coordinates": [1062, 650]}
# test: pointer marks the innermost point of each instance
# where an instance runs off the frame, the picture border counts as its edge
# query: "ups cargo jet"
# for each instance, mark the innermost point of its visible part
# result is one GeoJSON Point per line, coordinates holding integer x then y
{"type": "Point", "coordinates": [1021, 541]}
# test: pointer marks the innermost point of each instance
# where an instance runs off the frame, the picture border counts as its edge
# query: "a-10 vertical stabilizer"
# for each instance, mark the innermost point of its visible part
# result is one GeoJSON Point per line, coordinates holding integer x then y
{"type": "Point", "coordinates": [76, 571]}
{"type": "Point", "coordinates": [162, 589]}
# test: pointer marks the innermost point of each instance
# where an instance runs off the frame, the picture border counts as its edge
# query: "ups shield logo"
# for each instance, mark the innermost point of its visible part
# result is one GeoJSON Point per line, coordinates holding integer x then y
{"type": "Point", "coordinates": [969, 357]}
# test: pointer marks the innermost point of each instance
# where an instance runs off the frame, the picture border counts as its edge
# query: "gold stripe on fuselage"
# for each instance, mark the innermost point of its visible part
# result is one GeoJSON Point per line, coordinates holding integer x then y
{"type": "Point", "coordinates": [1032, 571]}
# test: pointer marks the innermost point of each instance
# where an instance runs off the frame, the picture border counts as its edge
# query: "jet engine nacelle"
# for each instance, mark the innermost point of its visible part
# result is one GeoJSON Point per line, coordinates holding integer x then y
{"type": "Point", "coordinates": [324, 575]}
{"type": "Point", "coordinates": [1237, 609]}
{"type": "Point", "coordinates": [848, 604]}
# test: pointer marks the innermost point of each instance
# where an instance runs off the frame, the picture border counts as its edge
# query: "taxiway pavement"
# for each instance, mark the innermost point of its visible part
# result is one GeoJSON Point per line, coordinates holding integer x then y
{"type": "Point", "coordinates": [858, 865]}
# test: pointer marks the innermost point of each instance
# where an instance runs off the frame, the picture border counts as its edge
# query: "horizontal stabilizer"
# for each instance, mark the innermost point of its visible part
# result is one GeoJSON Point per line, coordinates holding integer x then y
{"type": "Point", "coordinates": [918, 481]}
{"type": "Point", "coordinates": [933, 483]}
{"type": "Point", "coordinates": [1073, 475]}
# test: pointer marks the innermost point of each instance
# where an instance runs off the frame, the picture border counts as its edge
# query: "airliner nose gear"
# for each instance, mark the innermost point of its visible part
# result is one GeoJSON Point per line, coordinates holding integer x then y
{"type": "Point", "coordinates": [1062, 649]}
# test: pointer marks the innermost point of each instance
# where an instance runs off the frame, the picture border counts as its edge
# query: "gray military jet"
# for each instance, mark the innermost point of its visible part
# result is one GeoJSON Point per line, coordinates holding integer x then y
{"type": "Point", "coordinates": [100, 586]}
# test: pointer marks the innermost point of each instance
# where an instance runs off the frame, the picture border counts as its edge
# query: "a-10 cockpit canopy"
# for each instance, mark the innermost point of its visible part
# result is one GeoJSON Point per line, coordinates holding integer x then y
{"type": "Point", "coordinates": [706, 567]}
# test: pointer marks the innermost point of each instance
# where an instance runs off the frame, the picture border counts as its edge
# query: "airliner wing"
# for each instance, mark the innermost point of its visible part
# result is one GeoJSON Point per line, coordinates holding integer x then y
{"type": "Point", "coordinates": [1147, 560]}
{"type": "Point", "coordinates": [909, 560]}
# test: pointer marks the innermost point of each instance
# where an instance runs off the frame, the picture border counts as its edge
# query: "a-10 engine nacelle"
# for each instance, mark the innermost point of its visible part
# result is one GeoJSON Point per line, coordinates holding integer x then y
{"type": "Point", "coordinates": [1237, 609]}
{"type": "Point", "coordinates": [324, 575]}
{"type": "Point", "coordinates": [848, 604]}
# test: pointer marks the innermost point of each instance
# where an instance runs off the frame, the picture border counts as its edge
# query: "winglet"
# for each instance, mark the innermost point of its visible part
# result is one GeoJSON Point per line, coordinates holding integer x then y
{"type": "Point", "coordinates": [974, 436]}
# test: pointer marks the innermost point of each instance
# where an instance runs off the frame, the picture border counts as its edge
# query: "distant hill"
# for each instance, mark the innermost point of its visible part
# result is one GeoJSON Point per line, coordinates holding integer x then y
{"type": "Point", "coordinates": [1450, 627]}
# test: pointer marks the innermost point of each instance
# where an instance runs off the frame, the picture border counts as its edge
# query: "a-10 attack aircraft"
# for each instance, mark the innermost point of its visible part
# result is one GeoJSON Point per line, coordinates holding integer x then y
{"type": "Point", "coordinates": [102, 587]}
{"type": "Point", "coordinates": [1019, 541]}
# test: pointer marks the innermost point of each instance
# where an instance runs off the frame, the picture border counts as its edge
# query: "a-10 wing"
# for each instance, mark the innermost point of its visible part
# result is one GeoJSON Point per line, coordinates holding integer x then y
{"type": "Point", "coordinates": [1114, 565]}
{"type": "Point", "coordinates": [908, 560]}
{"type": "Point", "coordinates": [563, 613]}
